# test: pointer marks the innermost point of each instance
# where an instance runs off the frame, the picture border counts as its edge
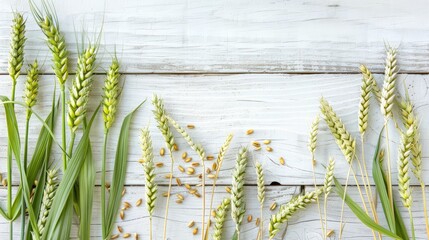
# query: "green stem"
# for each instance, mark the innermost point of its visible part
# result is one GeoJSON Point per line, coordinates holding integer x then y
{"type": "Point", "coordinates": [27, 124]}
{"type": "Point", "coordinates": [71, 143]}
{"type": "Point", "coordinates": [413, 233]}
{"type": "Point", "coordinates": [103, 186]}
{"type": "Point", "coordinates": [63, 126]}
{"type": "Point", "coordinates": [9, 172]}
{"type": "Point", "coordinates": [169, 193]}
{"type": "Point", "coordinates": [150, 227]}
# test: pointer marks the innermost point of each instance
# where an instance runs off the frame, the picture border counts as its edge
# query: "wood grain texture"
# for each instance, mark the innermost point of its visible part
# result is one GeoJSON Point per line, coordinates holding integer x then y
{"type": "Point", "coordinates": [240, 36]}
{"type": "Point", "coordinates": [278, 107]}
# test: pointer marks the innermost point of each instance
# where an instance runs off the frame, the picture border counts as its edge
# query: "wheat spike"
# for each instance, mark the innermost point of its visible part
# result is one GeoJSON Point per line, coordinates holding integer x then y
{"type": "Point", "coordinates": [223, 150]}
{"type": "Point", "coordinates": [220, 217]}
{"type": "Point", "coordinates": [31, 86]}
{"type": "Point", "coordinates": [196, 147]}
{"type": "Point", "coordinates": [17, 42]}
{"type": "Point", "coordinates": [55, 39]}
{"type": "Point", "coordinates": [161, 118]}
{"type": "Point", "coordinates": [343, 138]}
{"type": "Point", "coordinates": [312, 142]}
{"type": "Point", "coordinates": [149, 170]}
{"type": "Point", "coordinates": [260, 182]}
{"type": "Point", "coordinates": [329, 177]}
{"type": "Point", "coordinates": [368, 77]}
{"type": "Point", "coordinates": [111, 94]}
{"type": "Point", "coordinates": [410, 121]}
{"type": "Point", "coordinates": [79, 92]}
{"type": "Point", "coordinates": [365, 95]}
{"type": "Point", "coordinates": [287, 210]}
{"type": "Point", "coordinates": [238, 205]}
{"type": "Point", "coordinates": [403, 167]}
{"type": "Point", "coordinates": [388, 91]}
{"type": "Point", "coordinates": [48, 198]}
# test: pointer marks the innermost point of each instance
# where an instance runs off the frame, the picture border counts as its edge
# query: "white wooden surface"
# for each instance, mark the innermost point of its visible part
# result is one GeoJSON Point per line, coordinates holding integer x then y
{"type": "Point", "coordinates": [230, 66]}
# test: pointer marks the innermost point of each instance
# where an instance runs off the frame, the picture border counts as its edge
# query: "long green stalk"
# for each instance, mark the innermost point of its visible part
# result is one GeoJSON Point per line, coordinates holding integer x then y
{"type": "Point", "coordinates": [9, 174]}
{"type": "Point", "coordinates": [103, 185]}
{"type": "Point", "coordinates": [27, 124]}
{"type": "Point", "coordinates": [63, 125]}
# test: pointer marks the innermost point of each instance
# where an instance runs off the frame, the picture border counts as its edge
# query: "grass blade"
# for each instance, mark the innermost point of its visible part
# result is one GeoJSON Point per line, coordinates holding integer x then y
{"type": "Point", "coordinates": [359, 213]}
{"type": "Point", "coordinates": [61, 204]}
{"type": "Point", "coordinates": [380, 184]}
{"type": "Point", "coordinates": [86, 195]}
{"type": "Point", "coordinates": [119, 173]}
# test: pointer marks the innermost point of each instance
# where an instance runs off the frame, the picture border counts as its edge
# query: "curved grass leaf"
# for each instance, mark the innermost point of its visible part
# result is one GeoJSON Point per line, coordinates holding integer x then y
{"type": "Point", "coordinates": [62, 206]}
{"type": "Point", "coordinates": [119, 173]}
{"type": "Point", "coordinates": [359, 213]}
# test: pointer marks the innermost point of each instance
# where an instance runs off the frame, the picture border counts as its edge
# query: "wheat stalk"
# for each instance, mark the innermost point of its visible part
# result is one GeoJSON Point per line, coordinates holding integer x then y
{"type": "Point", "coordinates": [79, 92]}
{"type": "Point", "coordinates": [16, 54]}
{"type": "Point", "coordinates": [238, 205]}
{"type": "Point", "coordinates": [31, 86]}
{"type": "Point", "coordinates": [219, 162]}
{"type": "Point", "coordinates": [287, 211]}
{"type": "Point", "coordinates": [368, 77]}
{"type": "Point", "coordinates": [220, 217]}
{"type": "Point", "coordinates": [365, 95]}
{"type": "Point", "coordinates": [343, 138]}
{"type": "Point", "coordinates": [149, 169]}
{"type": "Point", "coordinates": [261, 193]}
{"type": "Point", "coordinates": [162, 120]}
{"type": "Point", "coordinates": [48, 198]}
{"type": "Point", "coordinates": [388, 91]}
{"type": "Point", "coordinates": [111, 94]}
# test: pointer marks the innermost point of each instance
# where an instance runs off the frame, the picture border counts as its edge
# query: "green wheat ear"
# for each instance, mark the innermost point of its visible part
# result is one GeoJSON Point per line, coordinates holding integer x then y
{"type": "Point", "coordinates": [16, 54]}
{"type": "Point", "coordinates": [31, 86]}
{"type": "Point", "coordinates": [111, 94]}
{"type": "Point", "coordinates": [238, 205]}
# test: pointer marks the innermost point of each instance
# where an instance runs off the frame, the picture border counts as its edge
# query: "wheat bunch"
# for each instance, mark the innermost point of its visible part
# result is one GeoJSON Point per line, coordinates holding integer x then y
{"type": "Point", "coordinates": [55, 39]}
{"type": "Point", "coordinates": [79, 92]}
{"type": "Point", "coordinates": [195, 146]}
{"type": "Point", "coordinates": [365, 94]}
{"type": "Point", "coordinates": [31, 86]}
{"type": "Point", "coordinates": [162, 120]}
{"type": "Point", "coordinates": [220, 217]}
{"type": "Point", "coordinates": [149, 170]}
{"type": "Point", "coordinates": [238, 205]}
{"type": "Point", "coordinates": [368, 77]}
{"type": "Point", "coordinates": [410, 120]}
{"type": "Point", "coordinates": [111, 94]}
{"type": "Point", "coordinates": [312, 141]}
{"type": "Point", "coordinates": [260, 182]}
{"type": "Point", "coordinates": [287, 211]}
{"type": "Point", "coordinates": [388, 91]}
{"type": "Point", "coordinates": [403, 167]}
{"type": "Point", "coordinates": [343, 138]}
{"type": "Point", "coordinates": [16, 54]}
{"type": "Point", "coordinates": [48, 198]}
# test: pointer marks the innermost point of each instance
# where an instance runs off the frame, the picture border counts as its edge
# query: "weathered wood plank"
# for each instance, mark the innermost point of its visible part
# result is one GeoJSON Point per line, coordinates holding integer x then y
{"type": "Point", "coordinates": [277, 107]}
{"type": "Point", "coordinates": [240, 36]}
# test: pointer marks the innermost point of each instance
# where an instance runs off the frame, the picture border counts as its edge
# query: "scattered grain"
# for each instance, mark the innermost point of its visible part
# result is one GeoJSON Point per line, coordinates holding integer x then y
{"type": "Point", "coordinates": [273, 206]}
{"type": "Point", "coordinates": [228, 189]}
{"type": "Point", "coordinates": [190, 126]}
{"type": "Point", "coordinates": [258, 221]}
{"type": "Point", "coordinates": [159, 164]}
{"type": "Point", "coordinates": [165, 194]}
{"type": "Point", "coordinates": [182, 169]}
{"type": "Point", "coordinates": [330, 233]}
{"type": "Point", "coordinates": [256, 144]}
{"type": "Point", "coordinates": [115, 236]}
{"type": "Point", "coordinates": [122, 214]}
{"type": "Point", "coordinates": [188, 159]}
{"type": "Point", "coordinates": [211, 176]}
{"type": "Point", "coordinates": [187, 186]}
{"type": "Point", "coordinates": [282, 161]}
{"type": "Point", "coordinates": [136, 236]}
{"type": "Point", "coordinates": [162, 151]}
{"type": "Point", "coordinates": [249, 218]}
{"type": "Point", "coordinates": [195, 231]}
{"type": "Point", "coordinates": [120, 229]}
{"type": "Point", "coordinates": [179, 182]}
{"type": "Point", "coordinates": [210, 157]}
{"type": "Point", "coordinates": [269, 149]}
{"type": "Point", "coordinates": [124, 191]}
{"type": "Point", "coordinates": [168, 175]}
{"type": "Point", "coordinates": [180, 196]}
{"type": "Point", "coordinates": [178, 201]}
{"type": "Point", "coordinates": [126, 235]}
{"type": "Point", "coordinates": [266, 141]}
{"type": "Point", "coordinates": [139, 202]}
{"type": "Point", "coordinates": [195, 164]}
{"type": "Point", "coordinates": [191, 224]}
{"type": "Point", "coordinates": [249, 131]}
{"type": "Point", "coordinates": [214, 166]}
{"type": "Point", "coordinates": [184, 155]}
{"type": "Point", "coordinates": [175, 147]}
{"type": "Point", "coordinates": [190, 171]}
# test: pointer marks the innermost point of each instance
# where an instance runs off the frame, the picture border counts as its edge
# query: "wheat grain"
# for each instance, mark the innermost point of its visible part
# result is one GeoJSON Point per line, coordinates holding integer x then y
{"type": "Point", "coordinates": [403, 167]}
{"type": "Point", "coordinates": [31, 86]}
{"type": "Point", "coordinates": [365, 95]}
{"type": "Point", "coordinates": [220, 217]}
{"type": "Point", "coordinates": [79, 92]}
{"type": "Point", "coordinates": [343, 138]}
{"type": "Point", "coordinates": [238, 205]}
{"type": "Point", "coordinates": [388, 91]}
{"type": "Point", "coordinates": [111, 93]}
{"type": "Point", "coordinates": [287, 211]}
{"type": "Point", "coordinates": [48, 198]}
{"type": "Point", "coordinates": [16, 54]}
